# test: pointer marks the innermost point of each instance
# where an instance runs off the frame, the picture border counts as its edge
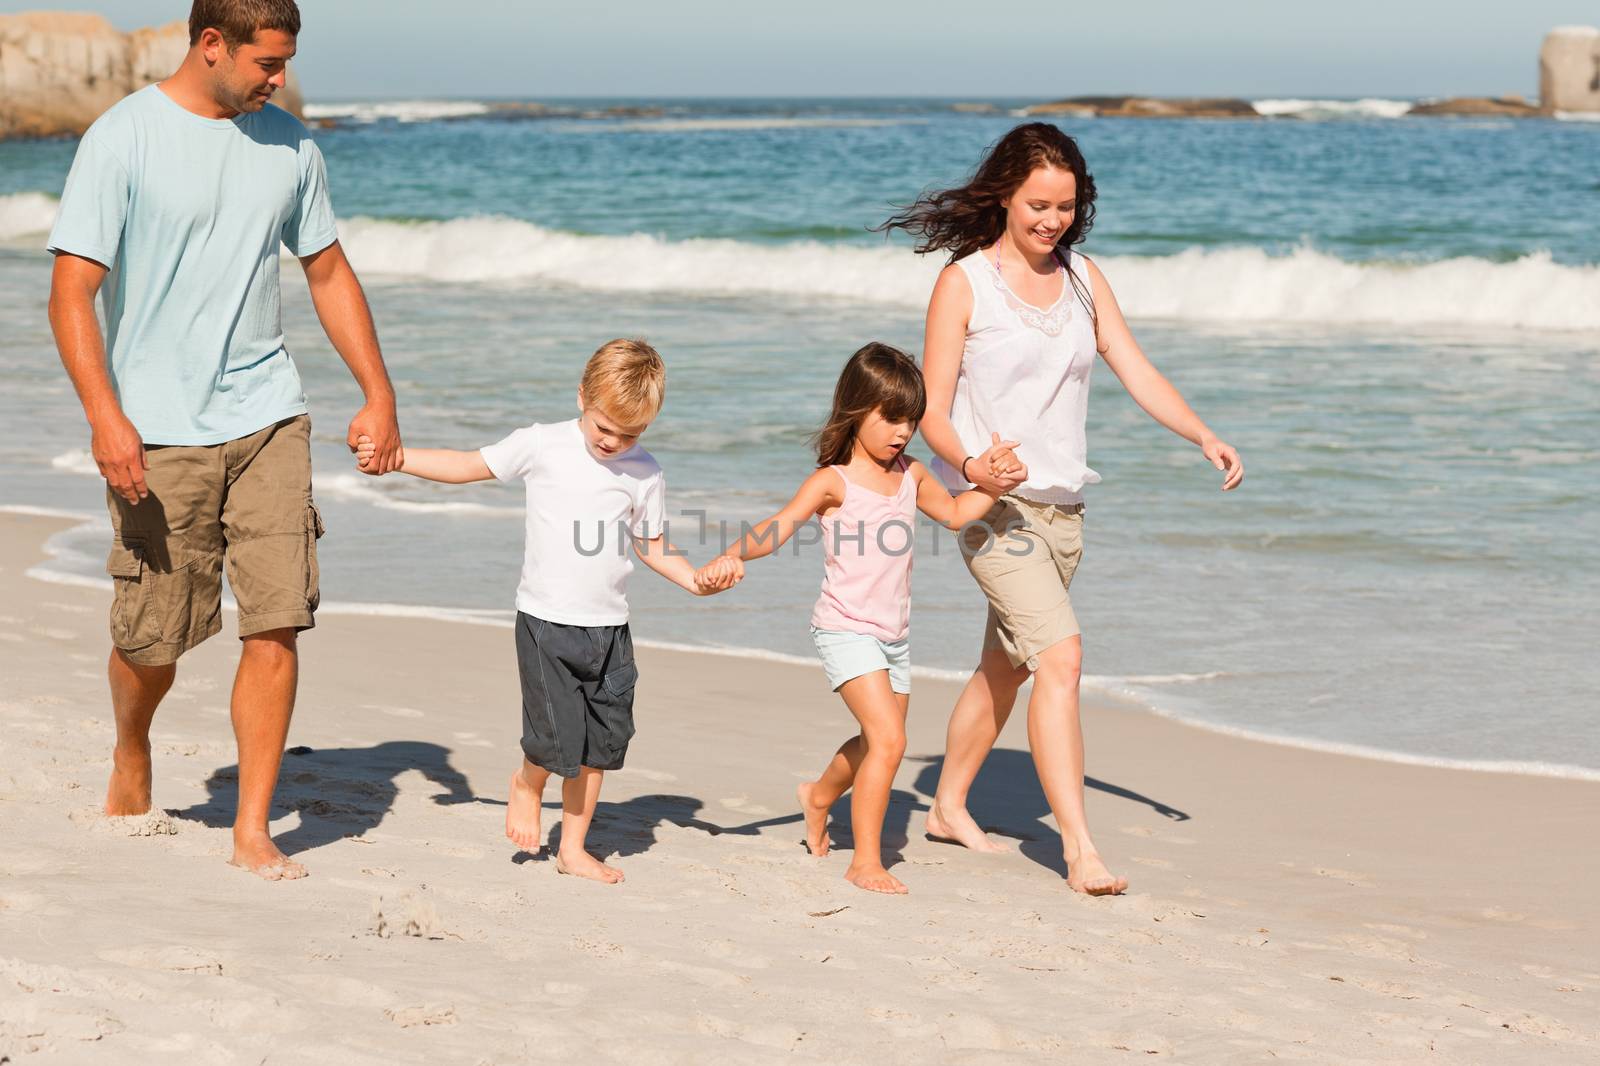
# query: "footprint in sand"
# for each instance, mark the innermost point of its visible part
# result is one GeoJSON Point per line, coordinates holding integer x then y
{"type": "Point", "coordinates": [174, 958]}
{"type": "Point", "coordinates": [414, 1017]}
{"type": "Point", "coordinates": [154, 824]}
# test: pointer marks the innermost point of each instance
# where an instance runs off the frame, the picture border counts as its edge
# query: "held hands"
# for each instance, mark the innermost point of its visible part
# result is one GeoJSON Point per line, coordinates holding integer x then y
{"type": "Point", "coordinates": [377, 425]}
{"type": "Point", "coordinates": [1222, 455]}
{"type": "Point", "coordinates": [998, 469]}
{"type": "Point", "coordinates": [719, 575]}
{"type": "Point", "coordinates": [118, 451]}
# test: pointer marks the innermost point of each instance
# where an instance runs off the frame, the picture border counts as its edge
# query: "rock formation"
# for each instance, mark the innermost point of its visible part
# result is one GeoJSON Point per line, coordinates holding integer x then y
{"type": "Point", "coordinates": [59, 71]}
{"type": "Point", "coordinates": [1478, 106]}
{"type": "Point", "coordinates": [1147, 107]}
{"type": "Point", "coordinates": [1569, 70]}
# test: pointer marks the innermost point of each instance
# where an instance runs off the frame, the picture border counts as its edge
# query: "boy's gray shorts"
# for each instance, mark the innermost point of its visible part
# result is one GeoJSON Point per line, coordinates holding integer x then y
{"type": "Point", "coordinates": [577, 694]}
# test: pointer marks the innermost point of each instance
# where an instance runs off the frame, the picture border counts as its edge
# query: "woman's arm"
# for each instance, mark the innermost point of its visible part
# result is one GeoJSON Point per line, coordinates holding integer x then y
{"type": "Point", "coordinates": [955, 512]}
{"type": "Point", "coordinates": [817, 493]}
{"type": "Point", "coordinates": [1149, 388]}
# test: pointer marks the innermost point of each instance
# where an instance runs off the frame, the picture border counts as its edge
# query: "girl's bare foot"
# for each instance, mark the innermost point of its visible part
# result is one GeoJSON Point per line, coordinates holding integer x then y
{"type": "Point", "coordinates": [523, 808]}
{"type": "Point", "coordinates": [1089, 875]}
{"type": "Point", "coordinates": [817, 841]}
{"type": "Point", "coordinates": [874, 878]}
{"type": "Point", "coordinates": [256, 853]}
{"type": "Point", "coordinates": [581, 864]}
{"type": "Point", "coordinates": [957, 827]}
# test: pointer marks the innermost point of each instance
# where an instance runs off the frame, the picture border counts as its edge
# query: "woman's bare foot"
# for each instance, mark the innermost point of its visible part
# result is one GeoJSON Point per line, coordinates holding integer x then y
{"type": "Point", "coordinates": [817, 842]}
{"type": "Point", "coordinates": [1089, 875]}
{"type": "Point", "coordinates": [257, 854]}
{"type": "Point", "coordinates": [957, 827]}
{"type": "Point", "coordinates": [523, 810]}
{"type": "Point", "coordinates": [581, 864]}
{"type": "Point", "coordinates": [129, 789]}
{"type": "Point", "coordinates": [874, 878]}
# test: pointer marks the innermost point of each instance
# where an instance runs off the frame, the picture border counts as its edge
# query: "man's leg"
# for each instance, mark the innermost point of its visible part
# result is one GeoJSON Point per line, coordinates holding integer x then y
{"type": "Point", "coordinates": [263, 702]}
{"type": "Point", "coordinates": [136, 691]}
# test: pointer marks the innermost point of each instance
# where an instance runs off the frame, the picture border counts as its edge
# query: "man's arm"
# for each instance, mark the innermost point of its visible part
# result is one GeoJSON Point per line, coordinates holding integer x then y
{"type": "Point", "coordinates": [117, 447]}
{"type": "Point", "coordinates": [346, 318]}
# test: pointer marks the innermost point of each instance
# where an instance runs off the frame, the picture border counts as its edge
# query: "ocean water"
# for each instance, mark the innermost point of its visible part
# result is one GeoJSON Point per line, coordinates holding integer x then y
{"type": "Point", "coordinates": [1396, 321]}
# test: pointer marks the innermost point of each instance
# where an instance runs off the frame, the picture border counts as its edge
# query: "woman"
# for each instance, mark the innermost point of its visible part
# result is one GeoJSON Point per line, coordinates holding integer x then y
{"type": "Point", "coordinates": [1014, 324]}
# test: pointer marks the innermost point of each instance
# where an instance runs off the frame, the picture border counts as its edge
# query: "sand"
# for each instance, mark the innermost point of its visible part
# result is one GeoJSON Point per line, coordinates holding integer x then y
{"type": "Point", "coordinates": [1286, 904]}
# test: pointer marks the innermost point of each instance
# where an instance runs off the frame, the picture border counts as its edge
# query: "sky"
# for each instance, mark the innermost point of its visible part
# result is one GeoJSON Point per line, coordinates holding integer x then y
{"type": "Point", "coordinates": [1039, 50]}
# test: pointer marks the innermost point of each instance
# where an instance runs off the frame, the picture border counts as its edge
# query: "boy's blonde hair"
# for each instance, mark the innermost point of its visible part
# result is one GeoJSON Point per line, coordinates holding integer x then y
{"type": "Point", "coordinates": [628, 379]}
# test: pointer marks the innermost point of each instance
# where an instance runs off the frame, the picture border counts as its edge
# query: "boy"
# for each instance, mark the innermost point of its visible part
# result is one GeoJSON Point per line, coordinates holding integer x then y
{"type": "Point", "coordinates": [589, 489]}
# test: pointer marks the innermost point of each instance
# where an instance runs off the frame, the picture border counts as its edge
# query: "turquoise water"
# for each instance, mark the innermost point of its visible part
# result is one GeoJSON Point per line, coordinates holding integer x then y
{"type": "Point", "coordinates": [1396, 321]}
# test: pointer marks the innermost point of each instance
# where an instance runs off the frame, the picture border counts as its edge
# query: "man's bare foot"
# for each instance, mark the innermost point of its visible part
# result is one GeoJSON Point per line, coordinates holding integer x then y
{"type": "Point", "coordinates": [956, 826]}
{"type": "Point", "coordinates": [523, 810]}
{"type": "Point", "coordinates": [257, 854]}
{"type": "Point", "coordinates": [129, 789]}
{"type": "Point", "coordinates": [1090, 876]}
{"type": "Point", "coordinates": [817, 842]}
{"type": "Point", "coordinates": [875, 878]}
{"type": "Point", "coordinates": [580, 863]}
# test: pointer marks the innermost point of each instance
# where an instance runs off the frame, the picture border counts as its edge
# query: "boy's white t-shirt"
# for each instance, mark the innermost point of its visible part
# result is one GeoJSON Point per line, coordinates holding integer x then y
{"type": "Point", "coordinates": [582, 515]}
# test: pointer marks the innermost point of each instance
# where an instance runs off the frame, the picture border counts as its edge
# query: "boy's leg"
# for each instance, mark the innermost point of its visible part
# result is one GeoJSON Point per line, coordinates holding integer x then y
{"type": "Point", "coordinates": [882, 714]}
{"type": "Point", "coordinates": [136, 691]}
{"type": "Point", "coordinates": [525, 808]}
{"type": "Point", "coordinates": [578, 798]}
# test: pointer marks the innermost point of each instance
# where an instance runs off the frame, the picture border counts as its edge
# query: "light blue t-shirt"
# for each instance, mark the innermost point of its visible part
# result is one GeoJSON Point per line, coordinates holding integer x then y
{"type": "Point", "coordinates": [188, 214]}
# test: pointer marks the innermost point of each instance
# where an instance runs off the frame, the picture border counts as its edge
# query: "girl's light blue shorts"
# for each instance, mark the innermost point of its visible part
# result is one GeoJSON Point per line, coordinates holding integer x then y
{"type": "Point", "coordinates": [846, 656]}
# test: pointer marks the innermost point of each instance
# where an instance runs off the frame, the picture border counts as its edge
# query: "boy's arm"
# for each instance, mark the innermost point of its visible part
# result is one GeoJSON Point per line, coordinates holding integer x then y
{"type": "Point", "coordinates": [664, 559]}
{"type": "Point", "coordinates": [818, 492]}
{"type": "Point", "coordinates": [433, 464]}
{"type": "Point", "coordinates": [954, 512]}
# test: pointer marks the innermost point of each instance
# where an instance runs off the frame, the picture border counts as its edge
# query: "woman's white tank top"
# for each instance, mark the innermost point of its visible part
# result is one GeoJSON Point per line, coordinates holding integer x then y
{"type": "Point", "coordinates": [1025, 375]}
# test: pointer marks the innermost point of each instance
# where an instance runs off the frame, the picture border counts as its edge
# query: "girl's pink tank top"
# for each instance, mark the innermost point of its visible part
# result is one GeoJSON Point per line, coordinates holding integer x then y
{"type": "Point", "coordinates": [867, 544]}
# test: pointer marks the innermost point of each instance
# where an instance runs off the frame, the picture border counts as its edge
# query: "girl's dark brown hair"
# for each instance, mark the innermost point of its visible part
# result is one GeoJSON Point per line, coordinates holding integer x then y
{"type": "Point", "coordinates": [877, 378]}
{"type": "Point", "coordinates": [962, 220]}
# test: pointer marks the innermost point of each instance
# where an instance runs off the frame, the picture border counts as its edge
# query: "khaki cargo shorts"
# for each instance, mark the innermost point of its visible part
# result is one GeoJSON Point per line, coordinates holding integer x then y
{"type": "Point", "coordinates": [1023, 555]}
{"type": "Point", "coordinates": [246, 503]}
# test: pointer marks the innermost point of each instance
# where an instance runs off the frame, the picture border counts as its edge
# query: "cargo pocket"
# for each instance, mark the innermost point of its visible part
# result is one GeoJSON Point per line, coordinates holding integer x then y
{"type": "Point", "coordinates": [615, 710]}
{"type": "Point", "coordinates": [314, 532]}
{"type": "Point", "coordinates": [134, 624]}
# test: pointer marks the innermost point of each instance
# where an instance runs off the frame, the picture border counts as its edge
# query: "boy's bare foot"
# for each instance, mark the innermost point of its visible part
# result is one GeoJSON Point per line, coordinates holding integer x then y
{"type": "Point", "coordinates": [957, 827]}
{"type": "Point", "coordinates": [875, 878]}
{"type": "Point", "coordinates": [817, 842]}
{"type": "Point", "coordinates": [257, 854]}
{"type": "Point", "coordinates": [129, 789]}
{"type": "Point", "coordinates": [1089, 875]}
{"type": "Point", "coordinates": [523, 810]}
{"type": "Point", "coordinates": [582, 864]}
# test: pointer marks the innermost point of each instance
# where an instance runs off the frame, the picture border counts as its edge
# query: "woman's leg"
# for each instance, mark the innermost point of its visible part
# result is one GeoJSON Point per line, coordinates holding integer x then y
{"type": "Point", "coordinates": [975, 723]}
{"type": "Point", "coordinates": [1055, 734]}
{"type": "Point", "coordinates": [867, 763]}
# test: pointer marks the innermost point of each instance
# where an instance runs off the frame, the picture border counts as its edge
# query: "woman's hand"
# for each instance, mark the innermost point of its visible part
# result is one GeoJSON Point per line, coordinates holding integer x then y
{"type": "Point", "coordinates": [997, 470]}
{"type": "Point", "coordinates": [1222, 455]}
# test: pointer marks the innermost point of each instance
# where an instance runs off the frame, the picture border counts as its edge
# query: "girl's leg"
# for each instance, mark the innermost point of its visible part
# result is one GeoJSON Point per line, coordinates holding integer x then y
{"type": "Point", "coordinates": [868, 768]}
{"type": "Point", "coordinates": [1056, 736]}
{"type": "Point", "coordinates": [818, 797]}
{"type": "Point", "coordinates": [975, 723]}
{"type": "Point", "coordinates": [578, 798]}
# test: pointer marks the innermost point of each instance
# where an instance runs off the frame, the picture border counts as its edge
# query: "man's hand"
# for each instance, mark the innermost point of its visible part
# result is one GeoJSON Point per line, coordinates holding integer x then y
{"type": "Point", "coordinates": [119, 453]}
{"type": "Point", "coordinates": [377, 422]}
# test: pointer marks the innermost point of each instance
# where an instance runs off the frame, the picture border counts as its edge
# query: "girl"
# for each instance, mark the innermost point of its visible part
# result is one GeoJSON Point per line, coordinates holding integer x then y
{"type": "Point", "coordinates": [867, 492]}
{"type": "Point", "coordinates": [1014, 325]}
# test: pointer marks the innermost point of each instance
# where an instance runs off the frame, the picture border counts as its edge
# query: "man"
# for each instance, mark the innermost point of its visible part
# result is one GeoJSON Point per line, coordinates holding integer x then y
{"type": "Point", "coordinates": [174, 211]}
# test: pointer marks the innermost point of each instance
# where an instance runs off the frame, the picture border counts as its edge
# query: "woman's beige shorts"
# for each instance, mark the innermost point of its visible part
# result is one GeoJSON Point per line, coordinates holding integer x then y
{"type": "Point", "coordinates": [1023, 555]}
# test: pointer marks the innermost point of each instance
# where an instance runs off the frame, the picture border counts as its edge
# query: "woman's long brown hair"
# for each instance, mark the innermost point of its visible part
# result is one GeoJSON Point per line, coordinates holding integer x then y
{"type": "Point", "coordinates": [877, 378]}
{"type": "Point", "coordinates": [962, 220]}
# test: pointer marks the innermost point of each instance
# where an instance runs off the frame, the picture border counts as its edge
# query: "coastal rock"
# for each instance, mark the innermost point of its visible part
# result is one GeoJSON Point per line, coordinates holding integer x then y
{"type": "Point", "coordinates": [1478, 106]}
{"type": "Point", "coordinates": [1569, 70]}
{"type": "Point", "coordinates": [1147, 107]}
{"type": "Point", "coordinates": [60, 71]}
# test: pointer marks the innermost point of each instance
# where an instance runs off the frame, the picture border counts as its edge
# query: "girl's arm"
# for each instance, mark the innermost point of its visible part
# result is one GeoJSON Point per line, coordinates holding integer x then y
{"type": "Point", "coordinates": [432, 464]}
{"type": "Point", "coordinates": [1149, 388]}
{"type": "Point", "coordinates": [955, 512]}
{"type": "Point", "coordinates": [664, 559]}
{"type": "Point", "coordinates": [817, 493]}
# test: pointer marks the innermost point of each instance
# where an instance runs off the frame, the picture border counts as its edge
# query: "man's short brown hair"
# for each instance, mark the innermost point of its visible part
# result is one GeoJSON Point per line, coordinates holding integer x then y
{"type": "Point", "coordinates": [240, 20]}
{"type": "Point", "coordinates": [627, 379]}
